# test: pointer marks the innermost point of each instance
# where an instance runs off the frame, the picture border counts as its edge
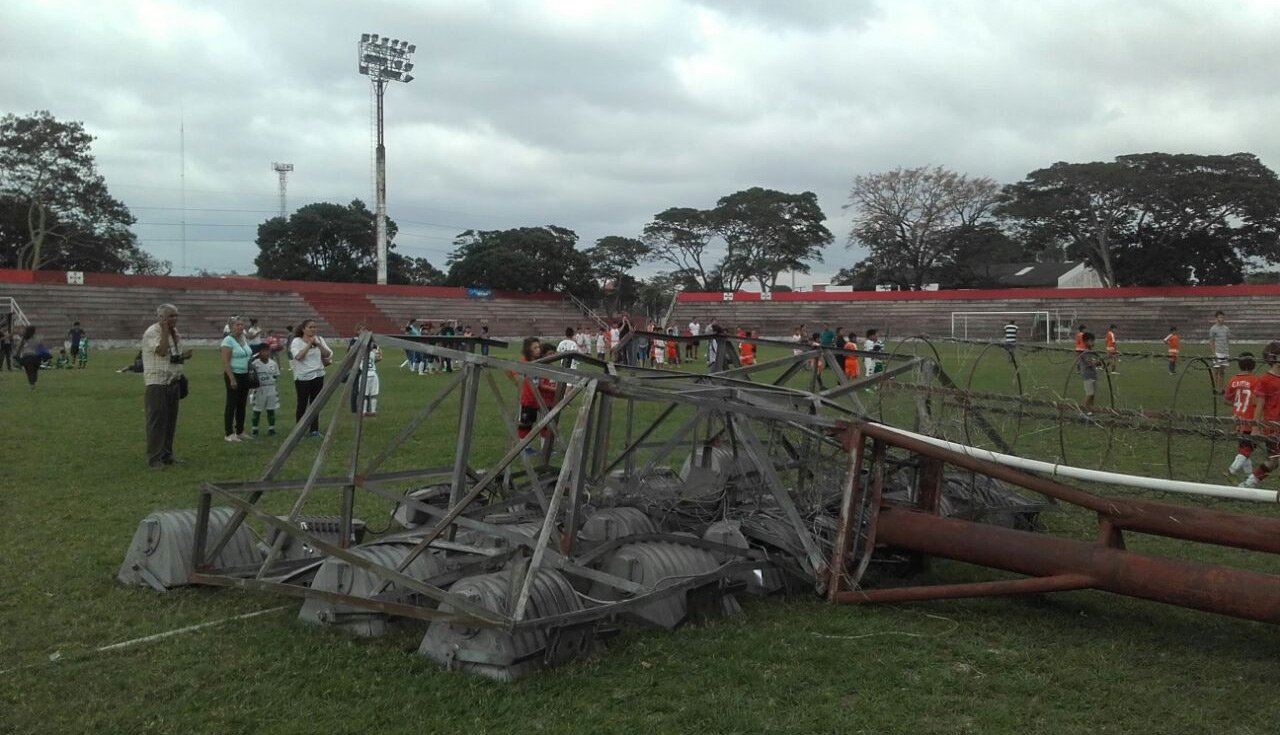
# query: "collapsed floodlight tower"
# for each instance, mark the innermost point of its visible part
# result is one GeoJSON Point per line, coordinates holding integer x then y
{"type": "Point", "coordinates": [383, 60]}
{"type": "Point", "coordinates": [283, 170]}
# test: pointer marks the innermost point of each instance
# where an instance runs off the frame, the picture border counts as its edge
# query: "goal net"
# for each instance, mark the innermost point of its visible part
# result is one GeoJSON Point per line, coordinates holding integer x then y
{"type": "Point", "coordinates": [988, 326]}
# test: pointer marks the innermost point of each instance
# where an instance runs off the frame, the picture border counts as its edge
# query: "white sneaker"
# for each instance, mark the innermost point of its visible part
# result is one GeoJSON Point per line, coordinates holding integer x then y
{"type": "Point", "coordinates": [232, 438]}
{"type": "Point", "coordinates": [1250, 481]}
{"type": "Point", "coordinates": [243, 437]}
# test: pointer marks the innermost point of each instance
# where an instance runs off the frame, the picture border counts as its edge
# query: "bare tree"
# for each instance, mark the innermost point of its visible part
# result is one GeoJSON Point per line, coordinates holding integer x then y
{"type": "Point", "coordinates": [913, 220]}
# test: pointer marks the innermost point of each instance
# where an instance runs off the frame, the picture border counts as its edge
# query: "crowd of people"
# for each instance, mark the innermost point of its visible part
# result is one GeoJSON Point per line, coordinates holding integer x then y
{"type": "Point", "coordinates": [250, 363]}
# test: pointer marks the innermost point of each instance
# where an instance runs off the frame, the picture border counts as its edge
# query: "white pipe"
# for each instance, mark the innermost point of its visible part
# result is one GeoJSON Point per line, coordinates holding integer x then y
{"type": "Point", "coordinates": [1113, 478]}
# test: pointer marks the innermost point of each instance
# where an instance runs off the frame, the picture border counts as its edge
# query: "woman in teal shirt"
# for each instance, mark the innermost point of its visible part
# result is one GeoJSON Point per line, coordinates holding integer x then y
{"type": "Point", "coordinates": [235, 373]}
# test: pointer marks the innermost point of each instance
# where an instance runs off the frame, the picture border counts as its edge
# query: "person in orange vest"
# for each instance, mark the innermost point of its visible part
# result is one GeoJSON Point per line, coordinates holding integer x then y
{"type": "Point", "coordinates": [1172, 340]}
{"type": "Point", "coordinates": [1080, 338]}
{"type": "Point", "coordinates": [1113, 353]}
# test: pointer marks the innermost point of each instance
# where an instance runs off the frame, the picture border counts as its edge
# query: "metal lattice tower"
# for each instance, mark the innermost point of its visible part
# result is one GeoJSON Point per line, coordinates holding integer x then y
{"type": "Point", "coordinates": [283, 170]}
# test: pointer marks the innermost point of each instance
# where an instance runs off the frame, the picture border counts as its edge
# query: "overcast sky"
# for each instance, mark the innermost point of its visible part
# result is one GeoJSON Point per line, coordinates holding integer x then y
{"type": "Point", "coordinates": [595, 115]}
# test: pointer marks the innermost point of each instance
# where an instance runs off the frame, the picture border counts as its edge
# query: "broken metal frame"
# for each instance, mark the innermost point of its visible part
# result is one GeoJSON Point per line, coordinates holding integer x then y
{"type": "Point", "coordinates": [733, 400]}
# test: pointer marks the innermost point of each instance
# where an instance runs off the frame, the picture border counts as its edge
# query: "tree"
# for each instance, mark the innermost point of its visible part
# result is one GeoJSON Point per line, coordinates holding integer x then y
{"type": "Point", "coordinates": [913, 220]}
{"type": "Point", "coordinates": [680, 237]}
{"type": "Point", "coordinates": [323, 242]}
{"type": "Point", "coordinates": [1088, 205]}
{"type": "Point", "coordinates": [862, 276]}
{"type": "Point", "coordinates": [527, 259]}
{"type": "Point", "coordinates": [55, 209]}
{"type": "Point", "coordinates": [412, 271]}
{"type": "Point", "coordinates": [768, 232]}
{"type": "Point", "coordinates": [656, 294]}
{"type": "Point", "coordinates": [612, 258]}
{"type": "Point", "coordinates": [1154, 218]}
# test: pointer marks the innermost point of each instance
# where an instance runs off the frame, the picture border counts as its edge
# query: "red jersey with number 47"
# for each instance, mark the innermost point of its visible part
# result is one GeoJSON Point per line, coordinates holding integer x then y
{"type": "Point", "coordinates": [1240, 393]}
{"type": "Point", "coordinates": [1266, 389]}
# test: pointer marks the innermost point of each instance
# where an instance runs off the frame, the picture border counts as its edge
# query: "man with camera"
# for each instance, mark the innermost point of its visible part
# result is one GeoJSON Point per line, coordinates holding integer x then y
{"type": "Point", "coordinates": [162, 359]}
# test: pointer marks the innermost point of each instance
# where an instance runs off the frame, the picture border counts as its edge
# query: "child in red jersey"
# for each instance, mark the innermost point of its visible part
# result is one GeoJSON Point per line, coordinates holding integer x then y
{"type": "Point", "coordinates": [747, 351]}
{"type": "Point", "coordinates": [1240, 395]}
{"type": "Point", "coordinates": [1080, 347]}
{"type": "Point", "coordinates": [531, 350]}
{"type": "Point", "coordinates": [1266, 391]}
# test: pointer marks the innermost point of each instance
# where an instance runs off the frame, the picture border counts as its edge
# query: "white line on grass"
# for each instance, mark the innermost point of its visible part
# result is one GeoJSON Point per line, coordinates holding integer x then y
{"type": "Point", "coordinates": [56, 657]}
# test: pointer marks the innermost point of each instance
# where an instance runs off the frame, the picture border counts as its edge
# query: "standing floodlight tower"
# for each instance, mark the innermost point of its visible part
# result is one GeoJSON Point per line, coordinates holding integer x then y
{"type": "Point", "coordinates": [383, 60]}
{"type": "Point", "coordinates": [283, 170]}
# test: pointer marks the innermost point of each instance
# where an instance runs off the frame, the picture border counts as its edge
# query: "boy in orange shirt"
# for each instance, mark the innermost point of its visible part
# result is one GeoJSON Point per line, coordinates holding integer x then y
{"type": "Point", "coordinates": [1113, 353]}
{"type": "Point", "coordinates": [1266, 391]}
{"type": "Point", "coordinates": [1080, 347]}
{"type": "Point", "coordinates": [1240, 395]}
{"type": "Point", "coordinates": [1173, 340]}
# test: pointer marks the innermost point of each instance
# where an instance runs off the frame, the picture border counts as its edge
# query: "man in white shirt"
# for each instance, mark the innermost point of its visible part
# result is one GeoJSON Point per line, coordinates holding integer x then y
{"type": "Point", "coordinates": [695, 329]}
{"type": "Point", "coordinates": [568, 344]}
{"type": "Point", "coordinates": [162, 359]}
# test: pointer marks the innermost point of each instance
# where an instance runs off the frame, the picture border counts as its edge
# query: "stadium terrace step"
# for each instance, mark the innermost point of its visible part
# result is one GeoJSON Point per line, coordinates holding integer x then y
{"type": "Point", "coordinates": [346, 311]}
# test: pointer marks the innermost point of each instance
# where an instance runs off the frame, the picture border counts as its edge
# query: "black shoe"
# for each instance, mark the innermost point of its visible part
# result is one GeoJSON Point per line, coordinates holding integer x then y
{"type": "Point", "coordinates": [174, 460]}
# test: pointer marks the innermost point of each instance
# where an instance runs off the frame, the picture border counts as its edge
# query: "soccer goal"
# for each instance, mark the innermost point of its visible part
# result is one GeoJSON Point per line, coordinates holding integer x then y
{"type": "Point", "coordinates": [1033, 326]}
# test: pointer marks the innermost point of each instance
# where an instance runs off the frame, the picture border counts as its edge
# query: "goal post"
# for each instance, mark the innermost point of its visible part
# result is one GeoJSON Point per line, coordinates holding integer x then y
{"type": "Point", "coordinates": [989, 325]}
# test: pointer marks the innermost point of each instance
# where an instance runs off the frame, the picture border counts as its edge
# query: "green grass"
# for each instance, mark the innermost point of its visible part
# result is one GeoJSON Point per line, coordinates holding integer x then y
{"type": "Point", "coordinates": [76, 484]}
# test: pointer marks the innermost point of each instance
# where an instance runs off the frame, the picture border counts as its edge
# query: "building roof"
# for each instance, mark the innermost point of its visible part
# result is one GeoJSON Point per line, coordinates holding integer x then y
{"type": "Point", "coordinates": [1026, 275]}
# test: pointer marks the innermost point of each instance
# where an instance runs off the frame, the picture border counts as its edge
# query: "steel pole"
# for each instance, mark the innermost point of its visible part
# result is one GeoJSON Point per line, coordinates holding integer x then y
{"type": "Point", "coordinates": [380, 218]}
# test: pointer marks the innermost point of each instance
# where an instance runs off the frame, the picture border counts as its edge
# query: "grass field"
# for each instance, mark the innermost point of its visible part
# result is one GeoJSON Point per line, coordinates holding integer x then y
{"type": "Point", "coordinates": [76, 484]}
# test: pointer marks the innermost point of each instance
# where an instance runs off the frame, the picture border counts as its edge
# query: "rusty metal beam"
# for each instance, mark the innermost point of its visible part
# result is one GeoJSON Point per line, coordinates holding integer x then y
{"type": "Point", "coordinates": [1217, 589]}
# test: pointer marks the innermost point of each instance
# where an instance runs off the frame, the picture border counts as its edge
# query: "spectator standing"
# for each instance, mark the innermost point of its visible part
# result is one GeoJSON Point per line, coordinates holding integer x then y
{"type": "Point", "coordinates": [266, 397]}
{"type": "Point", "coordinates": [568, 344]}
{"type": "Point", "coordinates": [82, 357]}
{"type": "Point", "coordinates": [253, 335]}
{"type": "Point", "coordinates": [601, 347]}
{"type": "Point", "coordinates": [695, 329]}
{"type": "Point", "coordinates": [28, 352]}
{"type": "Point", "coordinates": [73, 338]}
{"type": "Point", "coordinates": [1220, 343]}
{"type": "Point", "coordinates": [6, 349]}
{"type": "Point", "coordinates": [308, 357]}
{"type": "Point", "coordinates": [448, 330]}
{"type": "Point", "coordinates": [484, 334]}
{"type": "Point", "coordinates": [1010, 335]}
{"type": "Point", "coordinates": [1088, 365]}
{"type": "Point", "coordinates": [162, 360]}
{"type": "Point", "coordinates": [1113, 351]}
{"type": "Point", "coordinates": [411, 358]}
{"type": "Point", "coordinates": [371, 385]}
{"type": "Point", "coordinates": [1173, 341]}
{"type": "Point", "coordinates": [235, 376]}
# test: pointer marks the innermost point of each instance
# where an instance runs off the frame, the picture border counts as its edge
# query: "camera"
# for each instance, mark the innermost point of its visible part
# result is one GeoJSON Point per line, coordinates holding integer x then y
{"type": "Point", "coordinates": [176, 359]}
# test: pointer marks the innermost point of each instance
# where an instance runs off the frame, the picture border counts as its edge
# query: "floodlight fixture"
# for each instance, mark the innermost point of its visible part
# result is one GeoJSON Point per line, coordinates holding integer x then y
{"type": "Point", "coordinates": [383, 60]}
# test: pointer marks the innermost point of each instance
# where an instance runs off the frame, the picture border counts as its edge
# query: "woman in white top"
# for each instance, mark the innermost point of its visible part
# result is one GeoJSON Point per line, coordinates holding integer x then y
{"type": "Point", "coordinates": [308, 356]}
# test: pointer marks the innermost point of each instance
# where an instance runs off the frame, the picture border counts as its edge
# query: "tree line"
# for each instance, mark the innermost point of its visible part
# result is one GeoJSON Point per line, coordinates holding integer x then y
{"type": "Point", "coordinates": [1141, 219]}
